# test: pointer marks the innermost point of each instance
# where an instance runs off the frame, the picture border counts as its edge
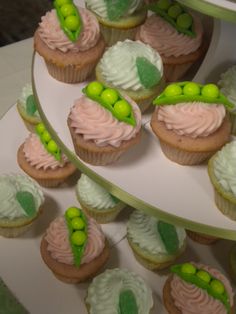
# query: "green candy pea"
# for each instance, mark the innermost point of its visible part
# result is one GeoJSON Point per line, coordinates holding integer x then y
{"type": "Point", "coordinates": [174, 11]}
{"type": "Point", "coordinates": [77, 223]}
{"type": "Point", "coordinates": [191, 89]}
{"type": "Point", "coordinates": [122, 108]}
{"type": "Point", "coordinates": [184, 20]}
{"type": "Point", "coordinates": [62, 2]}
{"type": "Point", "coordinates": [210, 90]}
{"type": "Point", "coordinates": [67, 9]}
{"type": "Point", "coordinates": [78, 237]}
{"type": "Point", "coordinates": [163, 4]}
{"type": "Point", "coordinates": [94, 89]}
{"type": "Point", "coordinates": [40, 128]}
{"type": "Point", "coordinates": [72, 22]}
{"type": "Point", "coordinates": [109, 96]}
{"type": "Point", "coordinates": [52, 146]}
{"type": "Point", "coordinates": [217, 286]}
{"type": "Point", "coordinates": [173, 90]}
{"type": "Point", "coordinates": [46, 137]}
{"type": "Point", "coordinates": [188, 268]}
{"type": "Point", "coordinates": [204, 275]}
{"type": "Point", "coordinates": [72, 212]}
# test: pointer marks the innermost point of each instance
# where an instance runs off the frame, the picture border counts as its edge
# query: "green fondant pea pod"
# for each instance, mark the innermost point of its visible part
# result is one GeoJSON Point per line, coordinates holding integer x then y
{"type": "Point", "coordinates": [69, 17]}
{"type": "Point", "coordinates": [203, 280]}
{"type": "Point", "coordinates": [189, 92]}
{"type": "Point", "coordinates": [110, 99]}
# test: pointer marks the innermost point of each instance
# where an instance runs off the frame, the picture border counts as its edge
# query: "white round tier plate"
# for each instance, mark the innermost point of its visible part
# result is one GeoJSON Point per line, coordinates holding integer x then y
{"type": "Point", "coordinates": [144, 178]}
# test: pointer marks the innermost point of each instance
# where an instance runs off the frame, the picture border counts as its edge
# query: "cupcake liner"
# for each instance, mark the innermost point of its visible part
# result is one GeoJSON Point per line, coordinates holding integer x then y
{"type": "Point", "coordinates": [30, 122]}
{"type": "Point", "coordinates": [14, 232]}
{"type": "Point", "coordinates": [50, 183]}
{"type": "Point", "coordinates": [201, 238]}
{"type": "Point", "coordinates": [183, 157]}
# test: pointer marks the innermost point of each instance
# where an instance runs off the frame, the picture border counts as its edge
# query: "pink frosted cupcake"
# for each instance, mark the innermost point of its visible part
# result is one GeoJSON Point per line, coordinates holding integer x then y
{"type": "Point", "coordinates": [74, 247]}
{"type": "Point", "coordinates": [69, 61]}
{"type": "Point", "coordinates": [178, 50]}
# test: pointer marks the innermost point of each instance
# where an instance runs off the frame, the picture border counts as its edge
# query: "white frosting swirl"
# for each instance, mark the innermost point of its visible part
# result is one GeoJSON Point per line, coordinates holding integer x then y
{"type": "Point", "coordinates": [95, 123]}
{"type": "Point", "coordinates": [192, 119]}
{"type": "Point", "coordinates": [54, 37]}
{"type": "Point", "coordinates": [94, 195]}
{"type": "Point", "coordinates": [224, 165]}
{"type": "Point", "coordinates": [142, 230]}
{"type": "Point", "coordinates": [228, 84]}
{"type": "Point", "coordinates": [100, 7]}
{"type": "Point", "coordinates": [9, 186]}
{"type": "Point", "coordinates": [103, 293]}
{"type": "Point", "coordinates": [38, 157]}
{"type": "Point", "coordinates": [118, 64]}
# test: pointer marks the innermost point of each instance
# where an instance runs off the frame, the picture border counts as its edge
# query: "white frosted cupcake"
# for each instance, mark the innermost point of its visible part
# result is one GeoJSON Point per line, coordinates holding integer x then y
{"type": "Point", "coordinates": [222, 172]}
{"type": "Point", "coordinates": [135, 69]}
{"type": "Point", "coordinates": [155, 244]}
{"type": "Point", "coordinates": [21, 202]}
{"type": "Point", "coordinates": [96, 201]}
{"type": "Point", "coordinates": [227, 85]}
{"type": "Point", "coordinates": [119, 291]}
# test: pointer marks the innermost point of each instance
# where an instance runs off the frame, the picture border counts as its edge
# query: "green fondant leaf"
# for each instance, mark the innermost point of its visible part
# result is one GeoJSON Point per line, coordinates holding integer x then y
{"type": "Point", "coordinates": [26, 200]}
{"type": "Point", "coordinates": [31, 105]}
{"type": "Point", "coordinates": [169, 236]}
{"type": "Point", "coordinates": [148, 74]}
{"type": "Point", "coordinates": [127, 303]}
{"type": "Point", "coordinates": [117, 8]}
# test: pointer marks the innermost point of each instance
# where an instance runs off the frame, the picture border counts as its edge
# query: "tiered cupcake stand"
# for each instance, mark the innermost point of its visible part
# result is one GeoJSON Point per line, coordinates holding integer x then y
{"type": "Point", "coordinates": [143, 178]}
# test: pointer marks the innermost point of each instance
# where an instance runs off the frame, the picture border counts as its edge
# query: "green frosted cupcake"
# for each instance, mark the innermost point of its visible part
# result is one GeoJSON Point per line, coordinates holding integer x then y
{"type": "Point", "coordinates": [119, 20]}
{"type": "Point", "coordinates": [155, 244]}
{"type": "Point", "coordinates": [119, 291]}
{"type": "Point", "coordinates": [96, 201]}
{"type": "Point", "coordinates": [222, 173]}
{"type": "Point", "coordinates": [21, 202]}
{"type": "Point", "coordinates": [134, 69]}
{"type": "Point", "coordinates": [26, 106]}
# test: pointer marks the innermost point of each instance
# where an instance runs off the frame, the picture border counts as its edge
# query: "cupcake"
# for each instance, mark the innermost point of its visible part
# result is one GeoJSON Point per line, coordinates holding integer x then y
{"type": "Point", "coordinates": [40, 157]}
{"type": "Point", "coordinates": [176, 34]}
{"type": "Point", "coordinates": [155, 244]}
{"type": "Point", "coordinates": [69, 41]}
{"type": "Point", "coordinates": [27, 108]}
{"type": "Point", "coordinates": [232, 263]}
{"type": "Point", "coordinates": [201, 237]}
{"type": "Point", "coordinates": [191, 122]}
{"type": "Point", "coordinates": [227, 85]}
{"type": "Point", "coordinates": [119, 291]}
{"type": "Point", "coordinates": [119, 20]}
{"type": "Point", "coordinates": [196, 288]}
{"type": "Point", "coordinates": [135, 69]}
{"type": "Point", "coordinates": [222, 173]}
{"type": "Point", "coordinates": [21, 202]}
{"type": "Point", "coordinates": [96, 201]}
{"type": "Point", "coordinates": [74, 247]}
{"type": "Point", "coordinates": [103, 124]}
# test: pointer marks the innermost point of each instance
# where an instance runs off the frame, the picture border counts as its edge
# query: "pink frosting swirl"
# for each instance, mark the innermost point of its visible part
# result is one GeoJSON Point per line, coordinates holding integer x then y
{"type": "Point", "coordinates": [163, 37]}
{"type": "Point", "coordinates": [37, 156]}
{"type": "Point", "coordinates": [190, 299]}
{"type": "Point", "coordinates": [192, 119]}
{"type": "Point", "coordinates": [55, 38]}
{"type": "Point", "coordinates": [98, 124]}
{"type": "Point", "coordinates": [57, 236]}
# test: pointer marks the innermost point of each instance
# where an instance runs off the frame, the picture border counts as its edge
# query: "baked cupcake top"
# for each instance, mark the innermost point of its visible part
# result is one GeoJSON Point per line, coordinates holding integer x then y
{"type": "Point", "coordinates": [110, 10]}
{"type": "Point", "coordinates": [27, 101]}
{"type": "Point", "coordinates": [127, 65]}
{"type": "Point", "coordinates": [54, 37]}
{"type": "Point", "coordinates": [227, 85]}
{"type": "Point", "coordinates": [153, 235]}
{"type": "Point", "coordinates": [96, 123]}
{"type": "Point", "coordinates": [119, 291]}
{"type": "Point", "coordinates": [94, 195]}
{"type": "Point", "coordinates": [74, 239]}
{"type": "Point", "coordinates": [20, 197]}
{"type": "Point", "coordinates": [197, 288]}
{"type": "Point", "coordinates": [224, 167]}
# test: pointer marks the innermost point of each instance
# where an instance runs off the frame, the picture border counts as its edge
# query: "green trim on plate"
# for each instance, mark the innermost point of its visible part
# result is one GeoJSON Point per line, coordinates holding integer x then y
{"type": "Point", "coordinates": [123, 195]}
{"type": "Point", "coordinates": [211, 9]}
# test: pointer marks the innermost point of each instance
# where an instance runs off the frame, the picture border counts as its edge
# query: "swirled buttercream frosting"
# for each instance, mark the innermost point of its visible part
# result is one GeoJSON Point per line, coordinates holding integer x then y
{"type": "Point", "coordinates": [38, 157]}
{"type": "Point", "coordinates": [99, 7]}
{"type": "Point", "coordinates": [224, 165]}
{"type": "Point", "coordinates": [190, 299]}
{"type": "Point", "coordinates": [142, 230]}
{"type": "Point", "coordinates": [94, 195]}
{"type": "Point", "coordinates": [103, 293]}
{"type": "Point", "coordinates": [192, 119]}
{"type": "Point", "coordinates": [54, 37]}
{"type": "Point", "coordinates": [10, 185]}
{"type": "Point", "coordinates": [97, 124]}
{"type": "Point", "coordinates": [118, 64]}
{"type": "Point", "coordinates": [227, 84]}
{"type": "Point", "coordinates": [25, 93]}
{"type": "Point", "coordinates": [163, 37]}
{"type": "Point", "coordinates": [57, 237]}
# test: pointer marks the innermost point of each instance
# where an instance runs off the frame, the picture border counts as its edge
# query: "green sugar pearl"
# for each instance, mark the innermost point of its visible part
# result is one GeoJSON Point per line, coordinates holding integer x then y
{"type": "Point", "coordinates": [204, 276]}
{"type": "Point", "coordinates": [174, 10]}
{"type": "Point", "coordinates": [109, 96]}
{"type": "Point", "coordinates": [94, 89]}
{"type": "Point", "coordinates": [67, 10]}
{"type": "Point", "coordinates": [46, 137]}
{"type": "Point", "coordinates": [217, 286]}
{"type": "Point", "coordinates": [40, 128]}
{"type": "Point", "coordinates": [72, 22]}
{"type": "Point", "coordinates": [62, 2]}
{"type": "Point", "coordinates": [77, 223]}
{"type": "Point", "coordinates": [188, 268]}
{"type": "Point", "coordinates": [163, 4]}
{"type": "Point", "coordinates": [191, 89]}
{"type": "Point", "coordinates": [184, 20]}
{"type": "Point", "coordinates": [52, 146]}
{"type": "Point", "coordinates": [78, 237]}
{"type": "Point", "coordinates": [72, 212]}
{"type": "Point", "coordinates": [210, 90]}
{"type": "Point", "coordinates": [173, 90]}
{"type": "Point", "coordinates": [122, 108]}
